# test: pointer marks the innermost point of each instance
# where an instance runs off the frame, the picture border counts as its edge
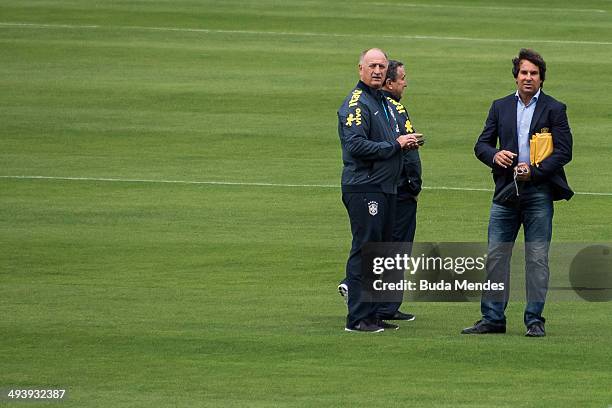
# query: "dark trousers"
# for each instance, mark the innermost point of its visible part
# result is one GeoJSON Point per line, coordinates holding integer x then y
{"type": "Point", "coordinates": [405, 219]}
{"type": "Point", "coordinates": [534, 212]}
{"type": "Point", "coordinates": [371, 216]}
{"type": "Point", "coordinates": [404, 229]}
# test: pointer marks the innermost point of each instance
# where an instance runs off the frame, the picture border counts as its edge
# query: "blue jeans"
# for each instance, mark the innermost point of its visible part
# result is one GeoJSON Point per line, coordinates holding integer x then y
{"type": "Point", "coordinates": [534, 211]}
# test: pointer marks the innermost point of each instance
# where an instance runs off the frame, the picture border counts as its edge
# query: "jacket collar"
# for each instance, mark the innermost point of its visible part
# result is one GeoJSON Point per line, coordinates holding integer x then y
{"type": "Point", "coordinates": [534, 99]}
{"type": "Point", "coordinates": [540, 105]}
{"type": "Point", "coordinates": [390, 95]}
{"type": "Point", "coordinates": [376, 93]}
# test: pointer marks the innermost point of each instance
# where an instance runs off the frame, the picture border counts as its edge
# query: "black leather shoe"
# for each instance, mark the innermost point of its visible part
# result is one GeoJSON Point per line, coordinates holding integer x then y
{"type": "Point", "coordinates": [366, 326]}
{"type": "Point", "coordinates": [407, 317]}
{"type": "Point", "coordinates": [536, 330]}
{"type": "Point", "coordinates": [484, 327]}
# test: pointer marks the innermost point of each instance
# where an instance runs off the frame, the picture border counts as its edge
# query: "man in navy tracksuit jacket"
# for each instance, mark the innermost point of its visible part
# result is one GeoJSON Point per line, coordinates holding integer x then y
{"type": "Point", "coordinates": [410, 177]}
{"type": "Point", "coordinates": [371, 153]}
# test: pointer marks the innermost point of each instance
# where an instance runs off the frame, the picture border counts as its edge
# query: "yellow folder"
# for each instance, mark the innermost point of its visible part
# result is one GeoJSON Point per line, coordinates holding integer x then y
{"type": "Point", "coordinates": [540, 147]}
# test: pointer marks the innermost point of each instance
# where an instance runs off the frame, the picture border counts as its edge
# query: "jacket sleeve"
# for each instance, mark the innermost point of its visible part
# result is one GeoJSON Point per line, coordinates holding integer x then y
{"type": "Point", "coordinates": [562, 146]}
{"type": "Point", "coordinates": [486, 145]}
{"type": "Point", "coordinates": [354, 128]}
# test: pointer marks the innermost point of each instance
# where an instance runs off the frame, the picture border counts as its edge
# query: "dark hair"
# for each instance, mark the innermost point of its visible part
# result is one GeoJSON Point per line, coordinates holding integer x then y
{"type": "Point", "coordinates": [531, 56]}
{"type": "Point", "coordinates": [392, 70]}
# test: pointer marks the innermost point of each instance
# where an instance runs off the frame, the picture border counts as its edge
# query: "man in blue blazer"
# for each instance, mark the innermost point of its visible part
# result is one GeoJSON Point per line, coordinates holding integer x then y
{"type": "Point", "coordinates": [524, 192]}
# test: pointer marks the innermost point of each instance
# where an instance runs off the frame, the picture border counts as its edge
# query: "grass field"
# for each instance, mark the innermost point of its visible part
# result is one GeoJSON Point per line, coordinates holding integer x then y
{"type": "Point", "coordinates": [130, 292]}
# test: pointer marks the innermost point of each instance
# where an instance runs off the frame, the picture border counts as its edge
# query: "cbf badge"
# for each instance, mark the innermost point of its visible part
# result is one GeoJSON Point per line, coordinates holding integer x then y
{"type": "Point", "coordinates": [373, 208]}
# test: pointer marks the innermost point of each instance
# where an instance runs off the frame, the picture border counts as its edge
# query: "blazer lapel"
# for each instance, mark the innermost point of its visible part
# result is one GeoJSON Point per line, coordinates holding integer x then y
{"type": "Point", "coordinates": [537, 113]}
{"type": "Point", "coordinates": [512, 112]}
{"type": "Point", "coordinates": [513, 121]}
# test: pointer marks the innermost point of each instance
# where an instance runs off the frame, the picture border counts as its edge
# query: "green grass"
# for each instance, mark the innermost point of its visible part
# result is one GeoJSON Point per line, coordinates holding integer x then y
{"type": "Point", "coordinates": [135, 294]}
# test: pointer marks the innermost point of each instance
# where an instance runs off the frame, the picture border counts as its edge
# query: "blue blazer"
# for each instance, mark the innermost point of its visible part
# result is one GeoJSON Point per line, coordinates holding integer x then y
{"type": "Point", "coordinates": [500, 130]}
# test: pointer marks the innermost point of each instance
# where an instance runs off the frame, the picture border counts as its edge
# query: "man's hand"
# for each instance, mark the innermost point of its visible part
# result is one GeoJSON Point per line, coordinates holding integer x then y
{"type": "Point", "coordinates": [409, 141]}
{"type": "Point", "coordinates": [504, 158]}
{"type": "Point", "coordinates": [523, 172]}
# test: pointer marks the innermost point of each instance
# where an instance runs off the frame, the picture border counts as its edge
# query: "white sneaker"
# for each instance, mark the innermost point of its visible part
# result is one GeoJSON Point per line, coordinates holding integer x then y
{"type": "Point", "coordinates": [343, 291]}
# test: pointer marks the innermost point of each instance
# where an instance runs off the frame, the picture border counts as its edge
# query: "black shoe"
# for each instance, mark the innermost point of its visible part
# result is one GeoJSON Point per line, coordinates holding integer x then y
{"type": "Point", "coordinates": [484, 327]}
{"type": "Point", "coordinates": [366, 326]}
{"type": "Point", "coordinates": [388, 326]}
{"type": "Point", "coordinates": [407, 317]}
{"type": "Point", "coordinates": [343, 291]}
{"type": "Point", "coordinates": [536, 330]}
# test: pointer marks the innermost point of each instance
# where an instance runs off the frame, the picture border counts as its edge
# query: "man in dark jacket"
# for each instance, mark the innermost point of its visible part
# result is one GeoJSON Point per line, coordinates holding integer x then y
{"type": "Point", "coordinates": [524, 190]}
{"type": "Point", "coordinates": [371, 153]}
{"type": "Point", "coordinates": [409, 187]}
